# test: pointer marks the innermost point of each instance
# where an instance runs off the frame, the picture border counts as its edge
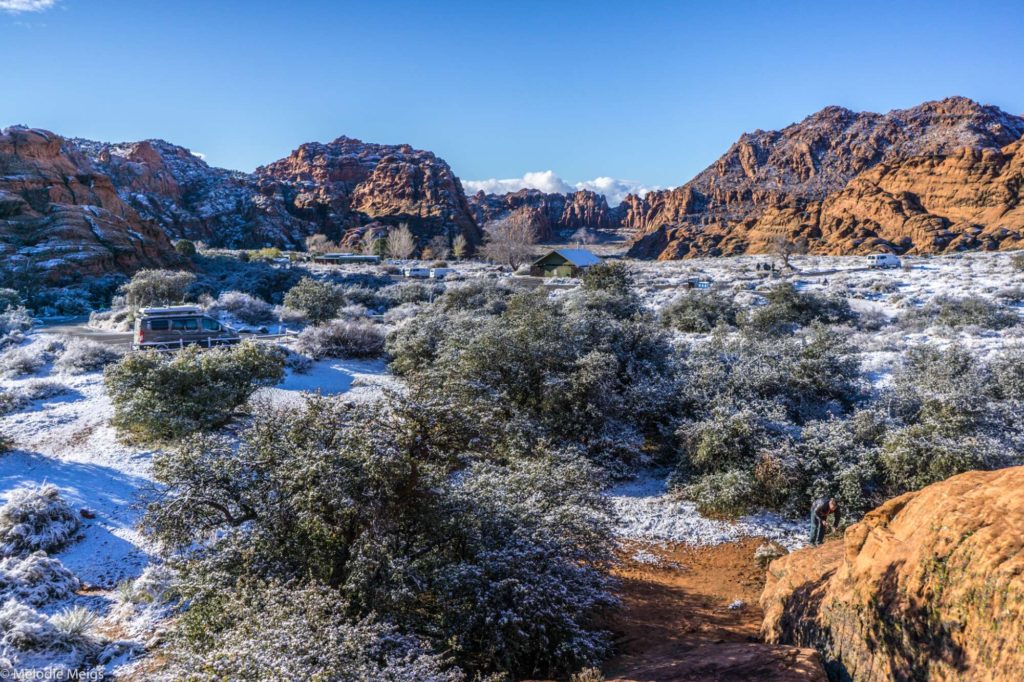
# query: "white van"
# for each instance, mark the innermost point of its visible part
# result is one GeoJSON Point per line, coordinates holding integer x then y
{"type": "Point", "coordinates": [883, 260]}
{"type": "Point", "coordinates": [417, 273]}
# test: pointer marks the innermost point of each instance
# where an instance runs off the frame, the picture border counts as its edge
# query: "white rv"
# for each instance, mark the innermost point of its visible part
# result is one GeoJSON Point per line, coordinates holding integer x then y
{"type": "Point", "coordinates": [883, 260]}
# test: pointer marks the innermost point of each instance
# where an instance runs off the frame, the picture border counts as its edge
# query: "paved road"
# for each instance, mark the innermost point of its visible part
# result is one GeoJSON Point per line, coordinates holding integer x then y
{"type": "Point", "coordinates": [76, 328]}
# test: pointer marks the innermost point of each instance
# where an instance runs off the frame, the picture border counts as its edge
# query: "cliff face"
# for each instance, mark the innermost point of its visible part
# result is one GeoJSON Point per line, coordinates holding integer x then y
{"type": "Point", "coordinates": [927, 586]}
{"type": "Point", "coordinates": [65, 216]}
{"type": "Point", "coordinates": [190, 199]}
{"type": "Point", "coordinates": [342, 186]}
{"type": "Point", "coordinates": [551, 213]}
{"type": "Point", "coordinates": [940, 176]}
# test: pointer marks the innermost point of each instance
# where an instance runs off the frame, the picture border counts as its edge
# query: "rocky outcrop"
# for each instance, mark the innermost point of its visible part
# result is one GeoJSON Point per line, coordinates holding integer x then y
{"type": "Point", "coordinates": [62, 215]}
{"type": "Point", "coordinates": [928, 586]}
{"type": "Point", "coordinates": [346, 184]}
{"type": "Point", "coordinates": [335, 189]}
{"type": "Point", "coordinates": [552, 213]}
{"type": "Point", "coordinates": [941, 176]}
{"type": "Point", "coordinates": [189, 199]}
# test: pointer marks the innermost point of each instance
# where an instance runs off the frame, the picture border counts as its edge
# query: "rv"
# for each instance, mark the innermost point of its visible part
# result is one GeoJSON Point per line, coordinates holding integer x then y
{"type": "Point", "coordinates": [883, 260]}
{"type": "Point", "coordinates": [174, 327]}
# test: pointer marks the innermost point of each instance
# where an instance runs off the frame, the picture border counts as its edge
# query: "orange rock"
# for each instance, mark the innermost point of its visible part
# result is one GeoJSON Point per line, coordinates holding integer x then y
{"type": "Point", "coordinates": [942, 176]}
{"type": "Point", "coordinates": [930, 585]}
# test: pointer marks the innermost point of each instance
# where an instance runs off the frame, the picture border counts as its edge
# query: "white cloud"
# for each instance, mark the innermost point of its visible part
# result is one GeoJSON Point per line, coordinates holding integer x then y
{"type": "Point", "coordinates": [613, 189]}
{"type": "Point", "coordinates": [16, 6]}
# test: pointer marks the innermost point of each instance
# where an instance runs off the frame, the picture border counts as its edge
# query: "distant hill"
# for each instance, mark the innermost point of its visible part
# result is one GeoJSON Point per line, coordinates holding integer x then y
{"type": "Point", "coordinates": [941, 176]}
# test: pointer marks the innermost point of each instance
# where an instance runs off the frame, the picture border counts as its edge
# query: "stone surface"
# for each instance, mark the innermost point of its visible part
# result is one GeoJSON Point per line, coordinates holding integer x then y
{"type": "Point", "coordinates": [552, 213]}
{"type": "Point", "coordinates": [940, 176]}
{"type": "Point", "coordinates": [62, 214]}
{"type": "Point", "coordinates": [347, 184]}
{"type": "Point", "coordinates": [930, 585]}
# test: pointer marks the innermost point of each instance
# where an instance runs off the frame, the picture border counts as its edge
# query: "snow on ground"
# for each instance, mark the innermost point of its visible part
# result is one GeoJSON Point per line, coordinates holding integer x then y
{"type": "Point", "coordinates": [645, 511]}
{"type": "Point", "coordinates": [359, 380]}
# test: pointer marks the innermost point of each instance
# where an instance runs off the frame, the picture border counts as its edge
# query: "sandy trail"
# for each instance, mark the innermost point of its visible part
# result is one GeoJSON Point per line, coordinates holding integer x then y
{"type": "Point", "coordinates": [676, 623]}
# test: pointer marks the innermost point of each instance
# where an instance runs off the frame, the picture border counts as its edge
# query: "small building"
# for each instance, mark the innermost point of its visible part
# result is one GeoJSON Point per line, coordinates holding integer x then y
{"type": "Point", "coordinates": [563, 263]}
{"type": "Point", "coordinates": [339, 258]}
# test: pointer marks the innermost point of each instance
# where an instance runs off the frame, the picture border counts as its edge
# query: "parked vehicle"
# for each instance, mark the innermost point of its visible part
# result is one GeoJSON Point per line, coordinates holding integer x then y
{"type": "Point", "coordinates": [441, 273]}
{"type": "Point", "coordinates": [883, 260]}
{"type": "Point", "coordinates": [179, 326]}
{"type": "Point", "coordinates": [417, 273]}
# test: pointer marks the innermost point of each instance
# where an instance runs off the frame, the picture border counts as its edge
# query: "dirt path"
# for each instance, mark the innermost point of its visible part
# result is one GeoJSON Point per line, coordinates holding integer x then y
{"type": "Point", "coordinates": [676, 623]}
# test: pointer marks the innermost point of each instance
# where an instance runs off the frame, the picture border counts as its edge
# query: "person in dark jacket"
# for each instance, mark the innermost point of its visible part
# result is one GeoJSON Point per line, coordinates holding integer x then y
{"type": "Point", "coordinates": [820, 511]}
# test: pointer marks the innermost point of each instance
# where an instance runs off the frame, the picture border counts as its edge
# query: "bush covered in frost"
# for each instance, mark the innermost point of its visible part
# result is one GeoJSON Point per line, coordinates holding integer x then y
{"type": "Point", "coordinates": [787, 308]}
{"type": "Point", "coordinates": [62, 643]}
{"type": "Point", "coordinates": [23, 360]}
{"type": "Point", "coordinates": [36, 579]}
{"type": "Point", "coordinates": [42, 389]}
{"type": "Point", "coordinates": [35, 518]}
{"type": "Point", "coordinates": [699, 311]}
{"type": "Point", "coordinates": [157, 287]}
{"type": "Point", "coordinates": [946, 311]}
{"type": "Point", "coordinates": [342, 339]}
{"type": "Point", "coordinates": [318, 301]}
{"type": "Point", "coordinates": [502, 565]}
{"type": "Point", "coordinates": [271, 632]}
{"type": "Point", "coordinates": [588, 370]}
{"type": "Point", "coordinates": [14, 322]}
{"type": "Point", "coordinates": [163, 397]}
{"type": "Point", "coordinates": [243, 307]}
{"type": "Point", "coordinates": [84, 355]}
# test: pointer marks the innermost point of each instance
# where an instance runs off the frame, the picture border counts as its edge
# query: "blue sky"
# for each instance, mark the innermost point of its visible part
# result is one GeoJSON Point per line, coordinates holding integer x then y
{"type": "Point", "coordinates": [648, 92]}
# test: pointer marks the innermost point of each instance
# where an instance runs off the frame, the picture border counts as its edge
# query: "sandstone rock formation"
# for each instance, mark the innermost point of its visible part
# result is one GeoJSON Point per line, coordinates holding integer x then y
{"type": "Point", "coordinates": [552, 213]}
{"type": "Point", "coordinates": [190, 199]}
{"type": "Point", "coordinates": [929, 586]}
{"type": "Point", "coordinates": [347, 184]}
{"type": "Point", "coordinates": [64, 217]}
{"type": "Point", "coordinates": [941, 176]}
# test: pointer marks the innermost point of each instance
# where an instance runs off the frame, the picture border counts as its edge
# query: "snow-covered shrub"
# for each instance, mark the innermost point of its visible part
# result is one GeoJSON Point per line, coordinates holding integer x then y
{"type": "Point", "coordinates": [586, 370]}
{"type": "Point", "coordinates": [401, 313]}
{"type": "Point", "coordinates": [699, 311]}
{"type": "Point", "coordinates": [153, 586]}
{"type": "Point", "coordinates": [160, 397]}
{"type": "Point", "coordinates": [243, 307]}
{"type": "Point", "coordinates": [287, 632]}
{"type": "Point", "coordinates": [6, 443]}
{"type": "Point", "coordinates": [84, 355]}
{"type": "Point", "coordinates": [10, 401]}
{"type": "Point", "coordinates": [24, 628]}
{"type": "Point", "coordinates": [157, 287]}
{"type": "Point", "coordinates": [510, 559]}
{"type": "Point", "coordinates": [14, 322]}
{"type": "Point", "coordinates": [9, 298]}
{"type": "Point", "coordinates": [746, 399]}
{"type": "Point", "coordinates": [35, 518]}
{"type": "Point", "coordinates": [342, 339]}
{"type": "Point", "coordinates": [117, 320]}
{"type": "Point", "coordinates": [23, 360]}
{"type": "Point", "coordinates": [36, 579]}
{"type": "Point", "coordinates": [788, 308]}
{"type": "Point", "coordinates": [42, 389]}
{"type": "Point", "coordinates": [588, 675]}
{"type": "Point", "coordinates": [297, 362]}
{"type": "Point", "coordinates": [74, 624]}
{"type": "Point", "coordinates": [364, 296]}
{"type": "Point", "coordinates": [956, 313]}
{"type": "Point", "coordinates": [410, 292]}
{"type": "Point", "coordinates": [318, 301]}
{"type": "Point", "coordinates": [1011, 295]}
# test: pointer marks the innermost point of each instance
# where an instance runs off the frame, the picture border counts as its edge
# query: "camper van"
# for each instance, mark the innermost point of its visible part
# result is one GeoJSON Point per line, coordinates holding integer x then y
{"type": "Point", "coordinates": [883, 260]}
{"type": "Point", "coordinates": [175, 327]}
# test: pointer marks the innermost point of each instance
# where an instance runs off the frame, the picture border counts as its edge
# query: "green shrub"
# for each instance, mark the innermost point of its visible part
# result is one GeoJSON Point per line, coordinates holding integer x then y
{"type": "Point", "coordinates": [318, 301]}
{"type": "Point", "coordinates": [947, 311]}
{"type": "Point", "coordinates": [787, 308]}
{"type": "Point", "coordinates": [157, 287]}
{"type": "Point", "coordinates": [185, 248]}
{"type": "Point", "coordinates": [342, 339]}
{"type": "Point", "coordinates": [699, 311]}
{"type": "Point", "coordinates": [164, 397]}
